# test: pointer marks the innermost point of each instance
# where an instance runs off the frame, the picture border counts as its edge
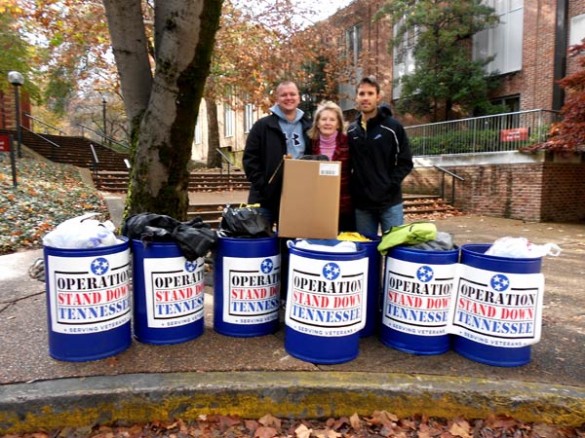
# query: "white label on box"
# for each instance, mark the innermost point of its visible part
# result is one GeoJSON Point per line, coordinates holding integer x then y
{"type": "Point", "coordinates": [417, 297]}
{"type": "Point", "coordinates": [88, 294]}
{"type": "Point", "coordinates": [251, 289]}
{"type": "Point", "coordinates": [174, 289]}
{"type": "Point", "coordinates": [497, 309]}
{"type": "Point", "coordinates": [326, 298]}
{"type": "Point", "coordinates": [329, 169]}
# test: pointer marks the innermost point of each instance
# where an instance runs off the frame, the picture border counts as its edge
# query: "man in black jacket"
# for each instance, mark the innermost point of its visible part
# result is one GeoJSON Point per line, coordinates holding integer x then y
{"type": "Point", "coordinates": [284, 132]}
{"type": "Point", "coordinates": [380, 159]}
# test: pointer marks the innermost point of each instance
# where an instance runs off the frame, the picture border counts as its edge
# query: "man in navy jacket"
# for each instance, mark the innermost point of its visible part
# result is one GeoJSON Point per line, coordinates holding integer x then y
{"type": "Point", "coordinates": [380, 159]}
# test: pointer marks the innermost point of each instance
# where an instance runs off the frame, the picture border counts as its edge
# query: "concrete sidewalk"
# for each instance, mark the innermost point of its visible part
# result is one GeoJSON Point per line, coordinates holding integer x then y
{"type": "Point", "coordinates": [253, 376]}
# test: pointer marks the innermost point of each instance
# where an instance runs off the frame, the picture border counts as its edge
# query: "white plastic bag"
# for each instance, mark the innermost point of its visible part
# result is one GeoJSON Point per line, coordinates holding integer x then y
{"type": "Point", "coordinates": [340, 247]}
{"type": "Point", "coordinates": [521, 248]}
{"type": "Point", "coordinates": [81, 232]}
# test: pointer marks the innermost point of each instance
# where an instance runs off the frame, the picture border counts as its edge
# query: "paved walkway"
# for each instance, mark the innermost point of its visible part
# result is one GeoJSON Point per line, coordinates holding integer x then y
{"type": "Point", "coordinates": [253, 376]}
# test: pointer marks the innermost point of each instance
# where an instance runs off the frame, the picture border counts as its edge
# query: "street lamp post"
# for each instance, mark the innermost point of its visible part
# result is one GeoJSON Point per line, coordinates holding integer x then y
{"type": "Point", "coordinates": [104, 118]}
{"type": "Point", "coordinates": [17, 79]}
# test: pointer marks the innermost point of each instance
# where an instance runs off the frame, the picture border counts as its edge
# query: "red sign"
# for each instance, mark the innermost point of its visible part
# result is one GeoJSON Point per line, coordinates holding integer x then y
{"type": "Point", "coordinates": [517, 134]}
{"type": "Point", "coordinates": [4, 143]}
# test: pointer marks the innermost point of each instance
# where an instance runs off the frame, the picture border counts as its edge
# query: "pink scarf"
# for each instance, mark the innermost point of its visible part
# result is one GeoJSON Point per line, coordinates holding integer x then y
{"type": "Point", "coordinates": [328, 145]}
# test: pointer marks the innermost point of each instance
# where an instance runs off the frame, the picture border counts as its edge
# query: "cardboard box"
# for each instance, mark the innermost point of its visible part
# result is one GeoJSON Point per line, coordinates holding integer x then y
{"type": "Point", "coordinates": [309, 206]}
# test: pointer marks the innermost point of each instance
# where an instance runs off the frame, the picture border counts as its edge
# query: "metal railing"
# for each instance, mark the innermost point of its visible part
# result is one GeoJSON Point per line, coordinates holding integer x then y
{"type": "Point", "coordinates": [52, 143]}
{"type": "Point", "coordinates": [228, 160]}
{"type": "Point", "coordinates": [497, 133]}
{"type": "Point", "coordinates": [34, 121]}
{"type": "Point", "coordinates": [95, 160]}
{"type": "Point", "coordinates": [97, 136]}
{"type": "Point", "coordinates": [444, 173]}
{"type": "Point", "coordinates": [104, 140]}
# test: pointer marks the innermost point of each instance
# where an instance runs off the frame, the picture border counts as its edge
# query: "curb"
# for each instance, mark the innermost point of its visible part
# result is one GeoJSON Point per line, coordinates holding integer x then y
{"type": "Point", "coordinates": [139, 398]}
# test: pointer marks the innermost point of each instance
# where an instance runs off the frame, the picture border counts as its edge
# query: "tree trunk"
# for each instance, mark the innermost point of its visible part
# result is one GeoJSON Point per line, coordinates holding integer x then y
{"type": "Point", "coordinates": [162, 132]}
{"type": "Point", "coordinates": [129, 45]}
{"type": "Point", "coordinates": [213, 157]}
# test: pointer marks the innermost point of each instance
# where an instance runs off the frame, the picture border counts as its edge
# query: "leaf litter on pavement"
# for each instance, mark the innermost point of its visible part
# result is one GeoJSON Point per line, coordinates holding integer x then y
{"type": "Point", "coordinates": [46, 194]}
{"type": "Point", "coordinates": [379, 424]}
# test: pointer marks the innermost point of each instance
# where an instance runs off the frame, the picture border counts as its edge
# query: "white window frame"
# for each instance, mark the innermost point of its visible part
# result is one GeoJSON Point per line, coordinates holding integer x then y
{"type": "Point", "coordinates": [503, 41]}
{"type": "Point", "coordinates": [403, 58]}
{"type": "Point", "coordinates": [248, 117]}
{"type": "Point", "coordinates": [353, 43]}
{"type": "Point", "coordinates": [198, 138]}
{"type": "Point", "coordinates": [229, 120]}
{"type": "Point", "coordinates": [577, 31]}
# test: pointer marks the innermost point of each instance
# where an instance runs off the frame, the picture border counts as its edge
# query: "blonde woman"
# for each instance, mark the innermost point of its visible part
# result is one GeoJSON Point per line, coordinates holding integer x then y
{"type": "Point", "coordinates": [328, 138]}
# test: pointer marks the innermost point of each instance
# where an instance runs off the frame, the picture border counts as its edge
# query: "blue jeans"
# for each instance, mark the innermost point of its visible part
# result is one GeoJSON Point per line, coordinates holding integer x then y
{"type": "Point", "coordinates": [369, 222]}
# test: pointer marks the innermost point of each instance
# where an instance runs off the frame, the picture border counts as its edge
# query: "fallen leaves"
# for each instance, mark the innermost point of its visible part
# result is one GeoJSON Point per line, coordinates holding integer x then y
{"type": "Point", "coordinates": [46, 195]}
{"type": "Point", "coordinates": [379, 424]}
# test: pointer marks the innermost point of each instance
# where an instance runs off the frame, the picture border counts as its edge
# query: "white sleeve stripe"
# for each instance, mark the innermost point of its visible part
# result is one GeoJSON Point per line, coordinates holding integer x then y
{"type": "Point", "coordinates": [395, 139]}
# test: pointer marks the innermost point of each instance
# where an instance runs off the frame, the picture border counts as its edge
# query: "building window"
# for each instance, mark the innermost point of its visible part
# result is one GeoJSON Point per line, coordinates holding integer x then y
{"type": "Point", "coordinates": [229, 120]}
{"type": "Point", "coordinates": [577, 29]}
{"type": "Point", "coordinates": [511, 103]}
{"type": "Point", "coordinates": [403, 57]}
{"type": "Point", "coordinates": [503, 41]}
{"type": "Point", "coordinates": [198, 138]}
{"type": "Point", "coordinates": [248, 117]}
{"type": "Point", "coordinates": [353, 43]}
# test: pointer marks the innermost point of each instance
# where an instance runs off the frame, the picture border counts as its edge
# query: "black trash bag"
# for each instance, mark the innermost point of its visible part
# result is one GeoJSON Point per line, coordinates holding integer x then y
{"type": "Point", "coordinates": [319, 157]}
{"type": "Point", "coordinates": [244, 222]}
{"type": "Point", "coordinates": [195, 238]}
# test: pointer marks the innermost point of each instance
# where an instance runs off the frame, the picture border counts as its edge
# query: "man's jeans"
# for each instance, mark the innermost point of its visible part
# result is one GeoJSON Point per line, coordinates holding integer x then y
{"type": "Point", "coordinates": [368, 221]}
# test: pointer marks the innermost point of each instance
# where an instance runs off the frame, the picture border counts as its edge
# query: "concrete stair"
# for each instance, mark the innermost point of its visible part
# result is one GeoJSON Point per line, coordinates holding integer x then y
{"type": "Point", "coordinates": [424, 207]}
{"type": "Point", "coordinates": [416, 208]}
{"type": "Point", "coordinates": [117, 181]}
{"type": "Point", "coordinates": [209, 213]}
{"type": "Point", "coordinates": [111, 175]}
{"type": "Point", "coordinates": [72, 150]}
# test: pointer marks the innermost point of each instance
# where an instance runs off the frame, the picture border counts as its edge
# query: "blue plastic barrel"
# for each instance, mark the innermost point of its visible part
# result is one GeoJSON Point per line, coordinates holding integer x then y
{"type": "Point", "coordinates": [169, 293]}
{"type": "Point", "coordinates": [326, 304]}
{"type": "Point", "coordinates": [487, 277]}
{"type": "Point", "coordinates": [373, 293]}
{"type": "Point", "coordinates": [417, 294]}
{"type": "Point", "coordinates": [246, 283]}
{"type": "Point", "coordinates": [88, 301]}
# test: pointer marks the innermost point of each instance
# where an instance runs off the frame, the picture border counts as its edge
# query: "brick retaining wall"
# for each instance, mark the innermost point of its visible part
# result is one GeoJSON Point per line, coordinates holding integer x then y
{"type": "Point", "coordinates": [539, 192]}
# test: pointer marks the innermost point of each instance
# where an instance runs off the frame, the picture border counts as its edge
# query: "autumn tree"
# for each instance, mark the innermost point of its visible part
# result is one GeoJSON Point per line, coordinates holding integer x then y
{"type": "Point", "coordinates": [568, 135]}
{"type": "Point", "coordinates": [69, 51]}
{"type": "Point", "coordinates": [259, 45]}
{"type": "Point", "coordinates": [15, 52]}
{"type": "Point", "coordinates": [162, 91]}
{"type": "Point", "coordinates": [445, 77]}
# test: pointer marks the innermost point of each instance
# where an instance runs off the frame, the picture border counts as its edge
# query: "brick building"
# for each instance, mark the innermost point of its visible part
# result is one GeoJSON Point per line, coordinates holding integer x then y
{"type": "Point", "coordinates": [7, 108]}
{"type": "Point", "coordinates": [530, 46]}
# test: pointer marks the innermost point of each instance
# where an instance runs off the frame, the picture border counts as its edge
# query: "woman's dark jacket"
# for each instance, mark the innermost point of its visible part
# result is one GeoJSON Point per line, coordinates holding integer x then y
{"type": "Point", "coordinates": [380, 160]}
{"type": "Point", "coordinates": [263, 159]}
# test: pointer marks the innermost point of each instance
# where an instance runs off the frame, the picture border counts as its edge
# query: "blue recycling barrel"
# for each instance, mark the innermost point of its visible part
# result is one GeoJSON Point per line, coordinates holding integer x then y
{"type": "Point", "coordinates": [88, 301]}
{"type": "Point", "coordinates": [168, 292]}
{"type": "Point", "coordinates": [374, 290]}
{"type": "Point", "coordinates": [488, 278]}
{"type": "Point", "coordinates": [246, 286]}
{"type": "Point", "coordinates": [417, 295]}
{"type": "Point", "coordinates": [326, 304]}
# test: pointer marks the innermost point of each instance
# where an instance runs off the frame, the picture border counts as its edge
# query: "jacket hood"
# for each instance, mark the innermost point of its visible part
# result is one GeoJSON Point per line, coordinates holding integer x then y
{"type": "Point", "coordinates": [275, 109]}
{"type": "Point", "coordinates": [385, 109]}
